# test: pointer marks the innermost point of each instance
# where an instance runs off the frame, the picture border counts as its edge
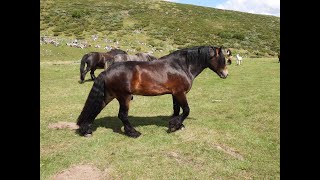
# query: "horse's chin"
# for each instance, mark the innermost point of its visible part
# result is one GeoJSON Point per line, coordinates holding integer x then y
{"type": "Point", "coordinates": [223, 76]}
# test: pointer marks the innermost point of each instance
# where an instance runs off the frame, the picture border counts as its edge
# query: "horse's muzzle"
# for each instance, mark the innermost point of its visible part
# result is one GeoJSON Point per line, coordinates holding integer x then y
{"type": "Point", "coordinates": [223, 76]}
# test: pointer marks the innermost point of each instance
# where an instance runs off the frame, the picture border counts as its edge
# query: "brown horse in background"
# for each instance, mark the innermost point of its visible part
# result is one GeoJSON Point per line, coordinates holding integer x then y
{"type": "Point", "coordinates": [170, 74]}
{"type": "Point", "coordinates": [96, 60]}
{"type": "Point", "coordinates": [127, 57]}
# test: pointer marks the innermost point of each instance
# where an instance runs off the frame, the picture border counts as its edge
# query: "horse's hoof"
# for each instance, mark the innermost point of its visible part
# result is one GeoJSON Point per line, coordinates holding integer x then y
{"type": "Point", "coordinates": [133, 134]}
{"type": "Point", "coordinates": [173, 129]}
{"type": "Point", "coordinates": [87, 135]}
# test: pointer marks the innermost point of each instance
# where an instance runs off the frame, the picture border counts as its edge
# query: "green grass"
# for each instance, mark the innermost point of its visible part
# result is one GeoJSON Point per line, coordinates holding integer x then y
{"type": "Point", "coordinates": [232, 132]}
{"type": "Point", "coordinates": [164, 25]}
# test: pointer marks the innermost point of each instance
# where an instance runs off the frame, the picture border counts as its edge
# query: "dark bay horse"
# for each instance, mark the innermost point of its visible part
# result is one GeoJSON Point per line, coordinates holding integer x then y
{"type": "Point", "coordinates": [126, 57]}
{"type": "Point", "coordinates": [171, 74]}
{"type": "Point", "coordinates": [96, 60]}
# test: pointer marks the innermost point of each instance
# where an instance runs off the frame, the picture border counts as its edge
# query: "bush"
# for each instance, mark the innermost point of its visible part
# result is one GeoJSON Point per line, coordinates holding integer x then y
{"type": "Point", "coordinates": [56, 33]}
{"type": "Point", "coordinates": [238, 36]}
{"type": "Point", "coordinates": [138, 49]}
{"type": "Point", "coordinates": [76, 14]}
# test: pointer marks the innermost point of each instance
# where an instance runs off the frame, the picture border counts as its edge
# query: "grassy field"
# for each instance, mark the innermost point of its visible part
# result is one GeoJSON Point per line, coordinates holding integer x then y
{"type": "Point", "coordinates": [232, 132]}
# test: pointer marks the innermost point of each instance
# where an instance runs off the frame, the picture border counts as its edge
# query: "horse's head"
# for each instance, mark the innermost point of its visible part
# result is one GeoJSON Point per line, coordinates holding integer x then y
{"type": "Point", "coordinates": [217, 62]}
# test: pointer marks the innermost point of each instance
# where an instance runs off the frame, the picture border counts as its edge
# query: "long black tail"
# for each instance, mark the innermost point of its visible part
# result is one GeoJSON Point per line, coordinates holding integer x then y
{"type": "Point", "coordinates": [82, 64]}
{"type": "Point", "coordinates": [93, 106]}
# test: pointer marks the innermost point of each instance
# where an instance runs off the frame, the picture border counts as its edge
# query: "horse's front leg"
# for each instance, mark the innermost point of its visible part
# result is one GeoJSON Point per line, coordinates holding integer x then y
{"type": "Point", "coordinates": [176, 107]}
{"type": "Point", "coordinates": [83, 74]}
{"type": "Point", "coordinates": [93, 77]}
{"type": "Point", "coordinates": [175, 122]}
{"type": "Point", "coordinates": [123, 116]}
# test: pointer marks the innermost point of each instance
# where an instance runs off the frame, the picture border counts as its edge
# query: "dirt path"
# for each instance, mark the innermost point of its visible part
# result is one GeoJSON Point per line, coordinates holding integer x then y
{"type": "Point", "coordinates": [82, 172]}
{"type": "Point", "coordinates": [63, 125]}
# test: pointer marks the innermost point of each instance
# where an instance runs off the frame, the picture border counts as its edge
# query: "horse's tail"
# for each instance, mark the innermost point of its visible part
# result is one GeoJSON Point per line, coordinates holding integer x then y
{"type": "Point", "coordinates": [94, 104]}
{"type": "Point", "coordinates": [82, 64]}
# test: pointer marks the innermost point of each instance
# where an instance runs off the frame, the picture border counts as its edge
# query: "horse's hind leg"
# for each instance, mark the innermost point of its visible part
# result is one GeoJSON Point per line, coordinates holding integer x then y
{"type": "Point", "coordinates": [123, 116]}
{"type": "Point", "coordinates": [176, 121]}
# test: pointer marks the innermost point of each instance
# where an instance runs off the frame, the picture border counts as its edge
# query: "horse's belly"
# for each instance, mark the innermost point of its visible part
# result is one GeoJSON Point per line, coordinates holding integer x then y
{"type": "Point", "coordinates": [150, 90]}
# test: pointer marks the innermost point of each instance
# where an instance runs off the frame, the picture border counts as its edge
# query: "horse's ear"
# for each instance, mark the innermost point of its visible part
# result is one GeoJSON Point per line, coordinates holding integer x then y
{"type": "Point", "coordinates": [217, 52]}
{"type": "Point", "coordinates": [220, 49]}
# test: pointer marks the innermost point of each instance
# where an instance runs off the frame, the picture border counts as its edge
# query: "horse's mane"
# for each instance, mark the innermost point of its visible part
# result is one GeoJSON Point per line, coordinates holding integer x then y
{"type": "Point", "coordinates": [195, 55]}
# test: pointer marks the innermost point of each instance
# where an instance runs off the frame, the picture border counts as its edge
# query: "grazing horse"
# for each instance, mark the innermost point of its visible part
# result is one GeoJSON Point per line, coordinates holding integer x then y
{"type": "Point", "coordinates": [170, 74]}
{"type": "Point", "coordinates": [239, 59]}
{"type": "Point", "coordinates": [96, 60]}
{"type": "Point", "coordinates": [127, 57]}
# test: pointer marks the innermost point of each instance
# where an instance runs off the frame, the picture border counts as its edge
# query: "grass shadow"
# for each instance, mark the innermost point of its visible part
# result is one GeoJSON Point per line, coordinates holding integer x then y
{"type": "Point", "coordinates": [86, 80]}
{"type": "Point", "coordinates": [114, 123]}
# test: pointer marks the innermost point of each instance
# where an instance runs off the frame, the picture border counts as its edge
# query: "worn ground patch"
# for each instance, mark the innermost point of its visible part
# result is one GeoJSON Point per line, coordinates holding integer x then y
{"type": "Point", "coordinates": [229, 151]}
{"type": "Point", "coordinates": [60, 62]}
{"type": "Point", "coordinates": [82, 172]}
{"type": "Point", "coordinates": [63, 125]}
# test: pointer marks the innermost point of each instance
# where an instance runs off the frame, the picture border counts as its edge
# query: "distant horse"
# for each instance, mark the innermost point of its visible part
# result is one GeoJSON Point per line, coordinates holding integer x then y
{"type": "Point", "coordinates": [279, 57]}
{"type": "Point", "coordinates": [127, 57]}
{"type": "Point", "coordinates": [96, 60]}
{"type": "Point", "coordinates": [239, 59]}
{"type": "Point", "coordinates": [170, 74]}
{"type": "Point", "coordinates": [229, 56]}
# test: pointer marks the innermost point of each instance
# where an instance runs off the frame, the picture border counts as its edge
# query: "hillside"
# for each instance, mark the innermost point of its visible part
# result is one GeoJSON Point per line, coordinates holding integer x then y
{"type": "Point", "coordinates": [157, 26]}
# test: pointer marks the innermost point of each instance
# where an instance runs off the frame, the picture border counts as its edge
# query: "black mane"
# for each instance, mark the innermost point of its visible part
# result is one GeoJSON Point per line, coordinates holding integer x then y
{"type": "Point", "coordinates": [195, 58]}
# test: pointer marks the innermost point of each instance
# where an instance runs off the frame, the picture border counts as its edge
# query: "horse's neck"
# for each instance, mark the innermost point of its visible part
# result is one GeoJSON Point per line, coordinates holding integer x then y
{"type": "Point", "coordinates": [196, 65]}
{"type": "Point", "coordinates": [195, 70]}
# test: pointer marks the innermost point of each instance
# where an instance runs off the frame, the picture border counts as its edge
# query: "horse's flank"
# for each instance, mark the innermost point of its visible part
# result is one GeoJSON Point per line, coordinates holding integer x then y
{"type": "Point", "coordinates": [148, 78]}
